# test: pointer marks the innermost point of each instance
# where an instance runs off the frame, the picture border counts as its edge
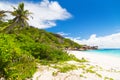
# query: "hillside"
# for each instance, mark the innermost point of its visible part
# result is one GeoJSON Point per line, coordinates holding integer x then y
{"type": "Point", "coordinates": [20, 50]}
{"type": "Point", "coordinates": [48, 38]}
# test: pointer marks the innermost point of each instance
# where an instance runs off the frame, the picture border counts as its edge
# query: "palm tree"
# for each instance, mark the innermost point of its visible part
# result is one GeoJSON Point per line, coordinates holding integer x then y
{"type": "Point", "coordinates": [3, 25]}
{"type": "Point", "coordinates": [2, 15]}
{"type": "Point", "coordinates": [20, 17]}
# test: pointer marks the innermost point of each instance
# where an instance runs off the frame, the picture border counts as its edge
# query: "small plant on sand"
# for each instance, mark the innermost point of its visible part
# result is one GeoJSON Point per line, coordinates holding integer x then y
{"type": "Point", "coordinates": [82, 60]}
{"type": "Point", "coordinates": [91, 67]}
{"type": "Point", "coordinates": [90, 71]}
{"type": "Point", "coordinates": [107, 78]}
{"type": "Point", "coordinates": [55, 73]}
{"type": "Point", "coordinates": [66, 67]}
{"type": "Point", "coordinates": [99, 75]}
{"type": "Point", "coordinates": [81, 75]}
{"type": "Point", "coordinates": [82, 66]}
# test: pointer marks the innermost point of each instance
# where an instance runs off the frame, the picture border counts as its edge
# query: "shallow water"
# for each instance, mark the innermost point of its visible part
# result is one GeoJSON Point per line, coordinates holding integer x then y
{"type": "Point", "coordinates": [111, 52]}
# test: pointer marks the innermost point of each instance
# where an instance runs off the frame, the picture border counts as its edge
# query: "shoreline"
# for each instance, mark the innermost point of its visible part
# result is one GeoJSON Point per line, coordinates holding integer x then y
{"type": "Point", "coordinates": [98, 59]}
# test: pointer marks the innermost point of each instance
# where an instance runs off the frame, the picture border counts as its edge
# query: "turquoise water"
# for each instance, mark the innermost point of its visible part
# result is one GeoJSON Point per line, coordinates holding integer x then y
{"type": "Point", "coordinates": [111, 52]}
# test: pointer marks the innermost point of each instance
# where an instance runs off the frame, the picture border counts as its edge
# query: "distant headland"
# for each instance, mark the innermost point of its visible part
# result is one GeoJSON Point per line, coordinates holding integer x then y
{"type": "Point", "coordinates": [83, 48]}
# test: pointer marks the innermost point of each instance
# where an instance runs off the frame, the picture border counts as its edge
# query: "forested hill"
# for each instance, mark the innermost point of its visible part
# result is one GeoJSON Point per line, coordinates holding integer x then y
{"type": "Point", "coordinates": [20, 50]}
{"type": "Point", "coordinates": [48, 38]}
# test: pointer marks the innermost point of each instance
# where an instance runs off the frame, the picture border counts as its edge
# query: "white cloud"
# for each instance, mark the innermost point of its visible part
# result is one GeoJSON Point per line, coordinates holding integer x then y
{"type": "Point", "coordinates": [63, 34]}
{"type": "Point", "coordinates": [109, 41]}
{"type": "Point", "coordinates": [44, 14]}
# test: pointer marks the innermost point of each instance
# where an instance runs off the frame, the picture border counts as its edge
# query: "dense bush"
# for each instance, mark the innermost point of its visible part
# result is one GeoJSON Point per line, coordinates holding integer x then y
{"type": "Point", "coordinates": [47, 38]}
{"type": "Point", "coordinates": [14, 63]}
{"type": "Point", "coordinates": [44, 52]}
{"type": "Point", "coordinates": [41, 51]}
{"type": "Point", "coordinates": [18, 53]}
{"type": "Point", "coordinates": [19, 67]}
{"type": "Point", "coordinates": [20, 48]}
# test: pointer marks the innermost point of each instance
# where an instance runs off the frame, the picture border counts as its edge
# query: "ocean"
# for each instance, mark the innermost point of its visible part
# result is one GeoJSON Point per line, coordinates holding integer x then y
{"type": "Point", "coordinates": [110, 52]}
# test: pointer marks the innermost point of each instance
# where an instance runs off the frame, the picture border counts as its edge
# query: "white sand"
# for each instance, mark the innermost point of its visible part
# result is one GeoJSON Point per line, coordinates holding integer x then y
{"type": "Point", "coordinates": [106, 62]}
{"type": "Point", "coordinates": [98, 59]}
{"type": "Point", "coordinates": [110, 68]}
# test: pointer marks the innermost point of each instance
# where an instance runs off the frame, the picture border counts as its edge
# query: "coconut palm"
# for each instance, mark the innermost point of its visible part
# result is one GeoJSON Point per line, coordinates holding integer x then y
{"type": "Point", "coordinates": [2, 18]}
{"type": "Point", "coordinates": [2, 15]}
{"type": "Point", "coordinates": [20, 17]}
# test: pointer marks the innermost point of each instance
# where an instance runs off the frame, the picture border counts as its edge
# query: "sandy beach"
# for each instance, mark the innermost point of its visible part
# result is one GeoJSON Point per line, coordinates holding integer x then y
{"type": "Point", "coordinates": [104, 68]}
{"type": "Point", "coordinates": [98, 59]}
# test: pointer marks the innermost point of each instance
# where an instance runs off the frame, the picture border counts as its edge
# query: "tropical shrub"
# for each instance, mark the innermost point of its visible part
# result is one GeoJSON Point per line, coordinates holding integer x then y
{"type": "Point", "coordinates": [14, 63]}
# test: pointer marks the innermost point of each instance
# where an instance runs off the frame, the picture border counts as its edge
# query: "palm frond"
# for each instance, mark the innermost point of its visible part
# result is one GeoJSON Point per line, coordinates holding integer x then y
{"type": "Point", "coordinates": [21, 16]}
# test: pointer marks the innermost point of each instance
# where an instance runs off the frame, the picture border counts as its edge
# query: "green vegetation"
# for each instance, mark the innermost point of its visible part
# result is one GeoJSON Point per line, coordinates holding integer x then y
{"type": "Point", "coordinates": [19, 51]}
{"type": "Point", "coordinates": [80, 60]}
{"type": "Point", "coordinates": [15, 63]}
{"type": "Point", "coordinates": [82, 75]}
{"type": "Point", "coordinates": [22, 46]}
{"type": "Point", "coordinates": [99, 75]}
{"type": "Point", "coordinates": [20, 18]}
{"type": "Point", "coordinates": [2, 15]}
{"type": "Point", "coordinates": [55, 73]}
{"type": "Point", "coordinates": [107, 78]}
{"type": "Point", "coordinates": [66, 67]}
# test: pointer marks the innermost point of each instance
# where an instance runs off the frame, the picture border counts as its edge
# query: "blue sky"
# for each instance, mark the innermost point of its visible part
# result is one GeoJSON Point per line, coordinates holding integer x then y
{"type": "Point", "coordinates": [95, 22]}
{"type": "Point", "coordinates": [101, 17]}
